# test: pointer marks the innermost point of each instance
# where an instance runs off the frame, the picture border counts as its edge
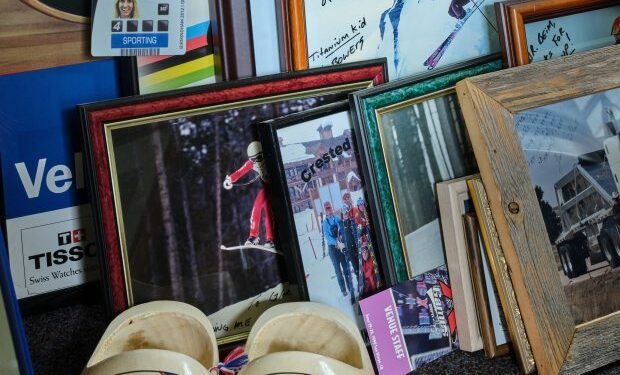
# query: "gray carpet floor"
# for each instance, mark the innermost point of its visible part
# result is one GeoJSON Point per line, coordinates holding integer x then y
{"type": "Point", "coordinates": [62, 340]}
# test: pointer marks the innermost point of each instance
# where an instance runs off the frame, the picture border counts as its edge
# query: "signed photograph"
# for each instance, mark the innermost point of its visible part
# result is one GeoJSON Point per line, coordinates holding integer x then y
{"type": "Point", "coordinates": [327, 201]}
{"type": "Point", "coordinates": [563, 36]}
{"type": "Point", "coordinates": [572, 149]}
{"type": "Point", "coordinates": [431, 34]}
{"type": "Point", "coordinates": [197, 219]}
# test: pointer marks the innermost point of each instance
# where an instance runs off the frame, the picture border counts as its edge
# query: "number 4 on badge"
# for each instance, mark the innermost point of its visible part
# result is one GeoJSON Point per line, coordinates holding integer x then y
{"type": "Point", "coordinates": [117, 26]}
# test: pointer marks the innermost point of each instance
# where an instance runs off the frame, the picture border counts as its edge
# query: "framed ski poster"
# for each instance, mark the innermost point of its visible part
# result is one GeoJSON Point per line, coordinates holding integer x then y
{"type": "Point", "coordinates": [313, 161]}
{"type": "Point", "coordinates": [182, 212]}
{"type": "Point", "coordinates": [416, 137]}
{"type": "Point", "coordinates": [196, 67]}
{"type": "Point", "coordinates": [537, 30]}
{"type": "Point", "coordinates": [432, 34]}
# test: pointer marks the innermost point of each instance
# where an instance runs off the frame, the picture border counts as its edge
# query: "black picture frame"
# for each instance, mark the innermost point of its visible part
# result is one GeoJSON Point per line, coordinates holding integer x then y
{"type": "Point", "coordinates": [100, 120]}
{"type": "Point", "coordinates": [283, 205]}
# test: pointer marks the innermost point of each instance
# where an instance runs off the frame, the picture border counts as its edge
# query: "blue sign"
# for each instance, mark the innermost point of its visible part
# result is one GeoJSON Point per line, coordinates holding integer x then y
{"type": "Point", "coordinates": [41, 156]}
{"type": "Point", "coordinates": [148, 40]}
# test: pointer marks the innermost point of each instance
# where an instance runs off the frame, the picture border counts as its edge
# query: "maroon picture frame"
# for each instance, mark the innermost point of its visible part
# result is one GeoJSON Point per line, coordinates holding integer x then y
{"type": "Point", "coordinates": [95, 116]}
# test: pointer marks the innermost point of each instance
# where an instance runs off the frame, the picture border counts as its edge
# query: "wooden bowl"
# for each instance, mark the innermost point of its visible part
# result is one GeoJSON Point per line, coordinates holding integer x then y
{"type": "Point", "coordinates": [289, 336]}
{"type": "Point", "coordinates": [155, 327]}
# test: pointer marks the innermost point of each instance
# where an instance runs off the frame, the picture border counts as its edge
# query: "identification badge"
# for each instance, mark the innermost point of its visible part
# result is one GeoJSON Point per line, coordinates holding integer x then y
{"type": "Point", "coordinates": [138, 28]}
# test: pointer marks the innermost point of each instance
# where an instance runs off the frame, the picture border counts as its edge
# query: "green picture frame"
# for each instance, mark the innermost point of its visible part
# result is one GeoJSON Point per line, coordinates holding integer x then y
{"type": "Point", "coordinates": [366, 106]}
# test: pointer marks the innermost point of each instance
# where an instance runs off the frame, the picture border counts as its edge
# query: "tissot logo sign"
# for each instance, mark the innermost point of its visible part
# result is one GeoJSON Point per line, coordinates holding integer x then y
{"type": "Point", "coordinates": [73, 245]}
{"type": "Point", "coordinates": [65, 238]}
{"type": "Point", "coordinates": [54, 256]}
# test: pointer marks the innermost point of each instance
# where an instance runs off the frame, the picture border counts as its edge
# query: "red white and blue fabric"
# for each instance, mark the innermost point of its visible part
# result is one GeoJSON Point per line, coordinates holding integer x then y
{"type": "Point", "coordinates": [233, 362]}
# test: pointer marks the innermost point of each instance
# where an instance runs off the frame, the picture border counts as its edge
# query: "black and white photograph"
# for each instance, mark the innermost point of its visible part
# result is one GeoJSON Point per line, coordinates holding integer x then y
{"type": "Point", "coordinates": [572, 149]}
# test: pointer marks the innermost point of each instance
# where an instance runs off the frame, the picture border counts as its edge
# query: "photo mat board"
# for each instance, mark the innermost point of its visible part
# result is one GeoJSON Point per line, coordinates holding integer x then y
{"type": "Point", "coordinates": [314, 160]}
{"type": "Point", "coordinates": [490, 105]}
{"type": "Point", "coordinates": [148, 160]}
{"type": "Point", "coordinates": [422, 114]}
{"type": "Point", "coordinates": [353, 30]}
{"type": "Point", "coordinates": [454, 201]}
{"type": "Point", "coordinates": [572, 150]}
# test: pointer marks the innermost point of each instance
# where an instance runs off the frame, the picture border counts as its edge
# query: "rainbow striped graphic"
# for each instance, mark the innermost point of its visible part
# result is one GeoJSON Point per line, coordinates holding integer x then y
{"type": "Point", "coordinates": [196, 67]}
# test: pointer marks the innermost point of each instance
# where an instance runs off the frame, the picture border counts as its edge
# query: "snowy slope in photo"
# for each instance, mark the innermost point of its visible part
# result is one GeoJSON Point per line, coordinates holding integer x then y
{"type": "Point", "coordinates": [320, 275]}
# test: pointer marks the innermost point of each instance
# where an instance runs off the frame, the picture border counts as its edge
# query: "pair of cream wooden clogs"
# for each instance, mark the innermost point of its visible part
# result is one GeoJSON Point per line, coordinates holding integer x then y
{"type": "Point", "coordinates": [166, 337]}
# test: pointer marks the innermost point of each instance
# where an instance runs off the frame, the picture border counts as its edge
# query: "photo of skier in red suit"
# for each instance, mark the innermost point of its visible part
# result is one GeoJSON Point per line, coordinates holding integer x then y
{"type": "Point", "coordinates": [261, 202]}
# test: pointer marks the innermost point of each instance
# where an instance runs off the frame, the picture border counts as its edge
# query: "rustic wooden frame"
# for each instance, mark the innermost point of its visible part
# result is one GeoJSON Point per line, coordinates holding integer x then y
{"type": "Point", "coordinates": [481, 297]}
{"type": "Point", "coordinates": [489, 104]}
{"type": "Point", "coordinates": [513, 15]}
{"type": "Point", "coordinates": [501, 275]}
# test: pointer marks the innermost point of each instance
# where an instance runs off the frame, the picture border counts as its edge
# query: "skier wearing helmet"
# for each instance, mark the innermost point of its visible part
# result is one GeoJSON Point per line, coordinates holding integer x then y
{"type": "Point", "coordinates": [261, 202]}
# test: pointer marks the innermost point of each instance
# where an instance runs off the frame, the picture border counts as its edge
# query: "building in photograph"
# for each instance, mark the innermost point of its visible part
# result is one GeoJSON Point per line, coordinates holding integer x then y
{"type": "Point", "coordinates": [330, 181]}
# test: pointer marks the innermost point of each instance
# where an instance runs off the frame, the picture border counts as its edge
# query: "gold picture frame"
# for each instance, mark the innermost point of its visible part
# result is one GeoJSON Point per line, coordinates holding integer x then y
{"type": "Point", "coordinates": [493, 344]}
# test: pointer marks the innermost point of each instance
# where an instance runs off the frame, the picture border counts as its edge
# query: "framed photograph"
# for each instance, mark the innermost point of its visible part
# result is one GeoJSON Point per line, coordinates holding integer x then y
{"type": "Point", "coordinates": [150, 74]}
{"type": "Point", "coordinates": [537, 30]}
{"type": "Point", "coordinates": [14, 356]}
{"type": "Point", "coordinates": [548, 164]}
{"type": "Point", "coordinates": [333, 32]}
{"type": "Point", "coordinates": [454, 202]}
{"type": "Point", "coordinates": [313, 161]}
{"type": "Point", "coordinates": [219, 47]}
{"type": "Point", "coordinates": [179, 195]}
{"type": "Point", "coordinates": [413, 135]}
{"type": "Point", "coordinates": [499, 271]}
{"type": "Point", "coordinates": [491, 320]}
